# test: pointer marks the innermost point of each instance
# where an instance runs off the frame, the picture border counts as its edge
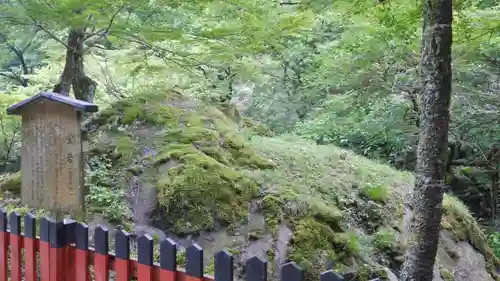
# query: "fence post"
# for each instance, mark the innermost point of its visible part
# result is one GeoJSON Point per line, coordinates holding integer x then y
{"type": "Point", "coordinates": [30, 247]}
{"type": "Point", "coordinates": [15, 246]}
{"type": "Point", "coordinates": [57, 250]}
{"type": "Point", "coordinates": [194, 263]}
{"type": "Point", "coordinates": [101, 260]}
{"type": "Point", "coordinates": [292, 272]}
{"type": "Point", "coordinates": [256, 269]}
{"type": "Point", "coordinates": [81, 252]}
{"type": "Point", "coordinates": [145, 258]}
{"type": "Point", "coordinates": [168, 260]}
{"type": "Point", "coordinates": [44, 249]}
{"type": "Point", "coordinates": [4, 245]}
{"type": "Point", "coordinates": [70, 226]}
{"type": "Point", "coordinates": [122, 253]}
{"type": "Point", "coordinates": [224, 265]}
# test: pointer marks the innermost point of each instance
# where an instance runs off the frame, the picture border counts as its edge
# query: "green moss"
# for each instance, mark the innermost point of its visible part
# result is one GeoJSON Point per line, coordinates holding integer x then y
{"type": "Point", "coordinates": [199, 155]}
{"type": "Point", "coordinates": [271, 254]}
{"type": "Point", "coordinates": [367, 272]}
{"type": "Point", "coordinates": [202, 190]}
{"type": "Point", "coordinates": [273, 211]}
{"type": "Point", "coordinates": [375, 193]}
{"type": "Point", "coordinates": [132, 113]}
{"type": "Point", "coordinates": [310, 234]}
{"type": "Point", "coordinates": [446, 274]}
{"type": "Point", "coordinates": [11, 183]}
{"type": "Point", "coordinates": [458, 219]}
{"type": "Point", "coordinates": [385, 239]}
{"type": "Point", "coordinates": [322, 190]}
{"type": "Point", "coordinates": [210, 268]}
{"type": "Point", "coordinates": [314, 243]}
{"type": "Point", "coordinates": [234, 251]}
{"type": "Point", "coordinates": [257, 128]}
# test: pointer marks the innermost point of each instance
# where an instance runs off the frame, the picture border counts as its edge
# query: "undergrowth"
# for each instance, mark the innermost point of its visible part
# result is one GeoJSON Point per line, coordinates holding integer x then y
{"type": "Point", "coordinates": [102, 197]}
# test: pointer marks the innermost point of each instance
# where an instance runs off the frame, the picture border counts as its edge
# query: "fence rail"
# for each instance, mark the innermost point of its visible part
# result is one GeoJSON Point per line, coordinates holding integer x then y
{"type": "Point", "coordinates": [63, 252]}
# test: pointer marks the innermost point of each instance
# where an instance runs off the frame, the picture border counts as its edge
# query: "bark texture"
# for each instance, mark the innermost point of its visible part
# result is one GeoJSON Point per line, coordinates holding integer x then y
{"type": "Point", "coordinates": [73, 74]}
{"type": "Point", "coordinates": [426, 202]}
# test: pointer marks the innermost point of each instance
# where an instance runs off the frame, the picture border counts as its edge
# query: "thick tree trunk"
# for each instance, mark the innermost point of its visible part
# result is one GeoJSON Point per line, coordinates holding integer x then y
{"type": "Point", "coordinates": [75, 38]}
{"type": "Point", "coordinates": [74, 72]}
{"type": "Point", "coordinates": [434, 121]}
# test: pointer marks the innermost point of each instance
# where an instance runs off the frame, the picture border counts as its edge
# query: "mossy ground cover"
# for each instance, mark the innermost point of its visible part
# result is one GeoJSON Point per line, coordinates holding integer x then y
{"type": "Point", "coordinates": [346, 208]}
{"type": "Point", "coordinates": [196, 155]}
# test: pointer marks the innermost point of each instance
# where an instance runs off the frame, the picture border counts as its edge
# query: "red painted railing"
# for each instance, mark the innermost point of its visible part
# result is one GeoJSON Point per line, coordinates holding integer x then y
{"type": "Point", "coordinates": [61, 252]}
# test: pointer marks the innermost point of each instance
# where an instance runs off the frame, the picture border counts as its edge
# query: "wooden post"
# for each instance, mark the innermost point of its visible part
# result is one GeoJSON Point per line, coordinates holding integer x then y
{"type": "Point", "coordinates": [194, 263]}
{"type": "Point", "coordinates": [145, 258]}
{"type": "Point", "coordinates": [52, 153]}
{"type": "Point", "coordinates": [122, 256]}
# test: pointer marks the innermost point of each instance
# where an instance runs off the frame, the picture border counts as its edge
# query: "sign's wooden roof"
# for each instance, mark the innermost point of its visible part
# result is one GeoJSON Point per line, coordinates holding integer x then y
{"type": "Point", "coordinates": [17, 108]}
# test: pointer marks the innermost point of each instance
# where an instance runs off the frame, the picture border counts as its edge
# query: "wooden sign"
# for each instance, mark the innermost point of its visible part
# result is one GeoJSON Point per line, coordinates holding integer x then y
{"type": "Point", "coordinates": [52, 152]}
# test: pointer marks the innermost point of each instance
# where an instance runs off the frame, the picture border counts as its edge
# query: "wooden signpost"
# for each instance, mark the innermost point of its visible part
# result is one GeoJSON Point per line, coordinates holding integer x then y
{"type": "Point", "coordinates": [52, 152]}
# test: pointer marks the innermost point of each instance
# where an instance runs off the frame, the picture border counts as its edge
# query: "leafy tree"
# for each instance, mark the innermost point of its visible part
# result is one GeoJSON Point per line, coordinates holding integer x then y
{"type": "Point", "coordinates": [149, 25]}
{"type": "Point", "coordinates": [23, 55]}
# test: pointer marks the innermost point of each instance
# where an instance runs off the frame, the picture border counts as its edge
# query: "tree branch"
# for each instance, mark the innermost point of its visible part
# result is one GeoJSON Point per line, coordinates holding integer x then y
{"type": "Point", "coordinates": [105, 31]}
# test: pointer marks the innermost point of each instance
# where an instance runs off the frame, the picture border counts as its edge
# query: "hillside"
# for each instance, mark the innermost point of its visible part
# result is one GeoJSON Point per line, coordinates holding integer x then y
{"type": "Point", "coordinates": [172, 163]}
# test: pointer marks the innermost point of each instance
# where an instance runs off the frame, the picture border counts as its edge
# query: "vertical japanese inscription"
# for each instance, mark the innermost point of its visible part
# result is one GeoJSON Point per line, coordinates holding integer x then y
{"type": "Point", "coordinates": [70, 156]}
{"type": "Point", "coordinates": [71, 139]}
{"type": "Point", "coordinates": [70, 159]}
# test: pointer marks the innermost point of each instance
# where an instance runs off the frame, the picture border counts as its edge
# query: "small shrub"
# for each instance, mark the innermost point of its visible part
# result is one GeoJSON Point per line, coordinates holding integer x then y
{"type": "Point", "coordinates": [494, 242]}
{"type": "Point", "coordinates": [107, 202]}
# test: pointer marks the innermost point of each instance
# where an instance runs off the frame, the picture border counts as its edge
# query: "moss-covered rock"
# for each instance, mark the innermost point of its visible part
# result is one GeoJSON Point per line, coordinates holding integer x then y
{"type": "Point", "coordinates": [458, 220]}
{"type": "Point", "coordinates": [190, 151]}
{"type": "Point", "coordinates": [11, 183]}
{"type": "Point", "coordinates": [347, 209]}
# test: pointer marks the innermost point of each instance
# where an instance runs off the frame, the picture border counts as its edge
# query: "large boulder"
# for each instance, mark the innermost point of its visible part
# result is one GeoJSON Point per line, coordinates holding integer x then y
{"type": "Point", "coordinates": [180, 159]}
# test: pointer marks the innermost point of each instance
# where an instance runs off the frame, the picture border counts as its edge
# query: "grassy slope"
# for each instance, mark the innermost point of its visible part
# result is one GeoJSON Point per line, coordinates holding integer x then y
{"type": "Point", "coordinates": [344, 192]}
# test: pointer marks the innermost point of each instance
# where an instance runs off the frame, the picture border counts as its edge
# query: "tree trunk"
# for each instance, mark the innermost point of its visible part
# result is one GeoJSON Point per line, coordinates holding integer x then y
{"type": "Point", "coordinates": [74, 71]}
{"type": "Point", "coordinates": [494, 179]}
{"type": "Point", "coordinates": [75, 38]}
{"type": "Point", "coordinates": [435, 96]}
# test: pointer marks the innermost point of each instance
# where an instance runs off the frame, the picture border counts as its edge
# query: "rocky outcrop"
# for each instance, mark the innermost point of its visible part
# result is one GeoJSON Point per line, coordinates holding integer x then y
{"type": "Point", "coordinates": [459, 261]}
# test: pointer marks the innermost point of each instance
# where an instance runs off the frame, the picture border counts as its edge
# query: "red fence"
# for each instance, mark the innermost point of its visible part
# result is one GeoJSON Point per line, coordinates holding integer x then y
{"type": "Point", "coordinates": [63, 252]}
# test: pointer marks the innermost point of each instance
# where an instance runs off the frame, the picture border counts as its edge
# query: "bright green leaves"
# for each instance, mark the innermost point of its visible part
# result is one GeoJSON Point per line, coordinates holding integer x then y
{"type": "Point", "coordinates": [373, 67]}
